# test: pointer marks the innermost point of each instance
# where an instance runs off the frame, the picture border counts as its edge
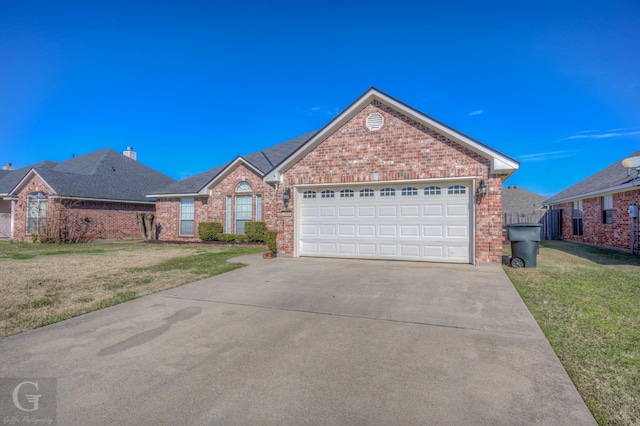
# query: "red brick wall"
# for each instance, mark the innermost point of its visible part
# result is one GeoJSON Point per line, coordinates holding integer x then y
{"type": "Point", "coordinates": [115, 220]}
{"type": "Point", "coordinates": [212, 208]}
{"type": "Point", "coordinates": [617, 234]}
{"type": "Point", "coordinates": [402, 149]}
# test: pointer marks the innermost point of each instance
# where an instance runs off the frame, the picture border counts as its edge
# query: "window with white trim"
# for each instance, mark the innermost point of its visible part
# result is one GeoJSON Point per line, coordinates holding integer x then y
{"type": "Point", "coordinates": [367, 193]}
{"type": "Point", "coordinates": [186, 216]}
{"type": "Point", "coordinates": [432, 190]}
{"type": "Point", "coordinates": [387, 192]}
{"type": "Point", "coordinates": [346, 193]}
{"type": "Point", "coordinates": [309, 194]}
{"type": "Point", "coordinates": [36, 213]}
{"type": "Point", "coordinates": [229, 220]}
{"type": "Point", "coordinates": [327, 194]}
{"type": "Point", "coordinates": [576, 216]}
{"type": "Point", "coordinates": [607, 209]}
{"type": "Point", "coordinates": [457, 189]}
{"type": "Point", "coordinates": [409, 191]}
{"type": "Point", "coordinates": [258, 208]}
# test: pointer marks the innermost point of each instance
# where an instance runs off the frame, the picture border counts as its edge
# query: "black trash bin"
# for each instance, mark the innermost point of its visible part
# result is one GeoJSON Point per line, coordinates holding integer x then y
{"type": "Point", "coordinates": [525, 244]}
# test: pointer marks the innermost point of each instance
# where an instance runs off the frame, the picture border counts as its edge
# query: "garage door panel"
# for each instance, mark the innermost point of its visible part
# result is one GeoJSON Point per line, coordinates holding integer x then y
{"type": "Point", "coordinates": [366, 211]}
{"type": "Point", "coordinates": [387, 211]}
{"type": "Point", "coordinates": [327, 231]}
{"type": "Point", "coordinates": [346, 230]}
{"type": "Point", "coordinates": [457, 231]}
{"type": "Point", "coordinates": [433, 231]}
{"type": "Point", "coordinates": [346, 212]}
{"type": "Point", "coordinates": [433, 211]}
{"type": "Point", "coordinates": [410, 211]}
{"type": "Point", "coordinates": [431, 227]}
{"type": "Point", "coordinates": [327, 212]}
{"type": "Point", "coordinates": [409, 230]}
{"type": "Point", "coordinates": [387, 231]}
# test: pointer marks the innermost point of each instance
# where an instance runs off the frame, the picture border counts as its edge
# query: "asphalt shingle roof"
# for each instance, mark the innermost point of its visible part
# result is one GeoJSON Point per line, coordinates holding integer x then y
{"type": "Point", "coordinates": [104, 174]}
{"type": "Point", "coordinates": [263, 160]}
{"type": "Point", "coordinates": [610, 177]}
{"type": "Point", "coordinates": [520, 200]}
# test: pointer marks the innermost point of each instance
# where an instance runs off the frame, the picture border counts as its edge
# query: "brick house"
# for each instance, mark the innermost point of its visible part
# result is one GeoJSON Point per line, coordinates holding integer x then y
{"type": "Point", "coordinates": [103, 189]}
{"type": "Point", "coordinates": [379, 181]}
{"type": "Point", "coordinates": [596, 209]}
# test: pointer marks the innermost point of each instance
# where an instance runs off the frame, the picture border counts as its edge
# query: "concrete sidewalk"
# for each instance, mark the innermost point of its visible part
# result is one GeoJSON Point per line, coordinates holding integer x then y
{"type": "Point", "coordinates": [318, 341]}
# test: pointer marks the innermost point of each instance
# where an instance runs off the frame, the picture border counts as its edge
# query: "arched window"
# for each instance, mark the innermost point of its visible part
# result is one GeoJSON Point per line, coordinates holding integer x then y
{"type": "Point", "coordinates": [408, 191]}
{"type": "Point", "coordinates": [244, 187]}
{"type": "Point", "coordinates": [36, 213]}
{"type": "Point", "coordinates": [346, 193]}
{"type": "Point", "coordinates": [387, 192]}
{"type": "Point", "coordinates": [432, 190]}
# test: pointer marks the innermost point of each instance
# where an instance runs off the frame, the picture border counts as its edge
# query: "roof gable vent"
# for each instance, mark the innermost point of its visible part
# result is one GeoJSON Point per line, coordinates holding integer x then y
{"type": "Point", "coordinates": [375, 120]}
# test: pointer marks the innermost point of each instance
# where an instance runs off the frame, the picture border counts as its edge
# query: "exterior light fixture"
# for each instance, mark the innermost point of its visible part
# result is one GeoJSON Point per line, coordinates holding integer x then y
{"type": "Point", "coordinates": [482, 189]}
{"type": "Point", "coordinates": [286, 196]}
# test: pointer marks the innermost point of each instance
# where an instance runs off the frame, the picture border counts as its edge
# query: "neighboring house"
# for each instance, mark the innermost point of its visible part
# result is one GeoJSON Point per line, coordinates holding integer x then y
{"type": "Point", "coordinates": [596, 210]}
{"type": "Point", "coordinates": [104, 189]}
{"type": "Point", "coordinates": [521, 205]}
{"type": "Point", "coordinates": [379, 181]}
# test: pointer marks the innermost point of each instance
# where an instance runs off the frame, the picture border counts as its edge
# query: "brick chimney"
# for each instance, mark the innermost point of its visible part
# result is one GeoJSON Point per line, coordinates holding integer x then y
{"type": "Point", "coordinates": [130, 153]}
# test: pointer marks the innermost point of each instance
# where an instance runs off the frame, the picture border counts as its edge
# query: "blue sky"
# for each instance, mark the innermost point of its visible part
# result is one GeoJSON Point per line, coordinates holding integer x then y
{"type": "Point", "coordinates": [190, 85]}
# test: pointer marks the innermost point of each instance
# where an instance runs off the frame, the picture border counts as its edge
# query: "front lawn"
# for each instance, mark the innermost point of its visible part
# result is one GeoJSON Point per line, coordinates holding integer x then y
{"type": "Point", "coordinates": [46, 283]}
{"type": "Point", "coordinates": [587, 302]}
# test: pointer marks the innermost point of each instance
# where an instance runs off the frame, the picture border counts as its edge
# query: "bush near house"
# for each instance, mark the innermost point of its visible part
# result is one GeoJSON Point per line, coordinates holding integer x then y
{"type": "Point", "coordinates": [255, 231]}
{"type": "Point", "coordinates": [232, 238]}
{"type": "Point", "coordinates": [209, 231]}
{"type": "Point", "coordinates": [270, 238]}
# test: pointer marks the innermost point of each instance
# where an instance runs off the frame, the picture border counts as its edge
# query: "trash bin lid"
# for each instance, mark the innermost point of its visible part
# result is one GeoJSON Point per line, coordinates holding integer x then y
{"type": "Point", "coordinates": [524, 225]}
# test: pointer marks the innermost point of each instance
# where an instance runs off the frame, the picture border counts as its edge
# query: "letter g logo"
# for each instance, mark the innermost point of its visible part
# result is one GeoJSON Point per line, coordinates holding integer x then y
{"type": "Point", "coordinates": [31, 398]}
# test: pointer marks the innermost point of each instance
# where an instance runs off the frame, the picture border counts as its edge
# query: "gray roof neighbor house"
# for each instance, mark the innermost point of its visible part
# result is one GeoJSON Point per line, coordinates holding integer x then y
{"type": "Point", "coordinates": [100, 175]}
{"type": "Point", "coordinates": [262, 161]}
{"type": "Point", "coordinates": [616, 177]}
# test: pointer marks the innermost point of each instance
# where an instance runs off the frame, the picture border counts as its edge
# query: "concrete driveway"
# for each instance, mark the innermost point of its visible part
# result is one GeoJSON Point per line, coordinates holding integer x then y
{"type": "Point", "coordinates": [315, 341]}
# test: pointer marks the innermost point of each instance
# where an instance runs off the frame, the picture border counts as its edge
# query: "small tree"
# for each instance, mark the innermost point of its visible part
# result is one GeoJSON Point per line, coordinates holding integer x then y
{"type": "Point", "coordinates": [271, 238]}
{"type": "Point", "coordinates": [145, 223]}
{"type": "Point", "coordinates": [66, 224]}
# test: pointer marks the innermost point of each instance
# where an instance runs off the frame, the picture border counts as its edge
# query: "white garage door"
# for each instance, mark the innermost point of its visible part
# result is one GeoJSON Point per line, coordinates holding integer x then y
{"type": "Point", "coordinates": [426, 222]}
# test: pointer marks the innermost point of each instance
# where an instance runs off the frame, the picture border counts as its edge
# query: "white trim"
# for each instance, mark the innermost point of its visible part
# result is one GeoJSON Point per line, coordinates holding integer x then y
{"type": "Point", "coordinates": [181, 195]}
{"type": "Point", "coordinates": [614, 189]}
{"type": "Point", "coordinates": [387, 182]}
{"type": "Point", "coordinates": [26, 178]}
{"type": "Point", "coordinates": [225, 172]}
{"type": "Point", "coordinates": [500, 163]}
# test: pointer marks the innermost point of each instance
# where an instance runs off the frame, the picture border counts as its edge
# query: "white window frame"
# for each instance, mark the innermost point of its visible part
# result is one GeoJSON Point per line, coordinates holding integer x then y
{"type": "Point", "coordinates": [607, 209]}
{"type": "Point", "coordinates": [187, 214]}
{"type": "Point", "coordinates": [258, 208]}
{"type": "Point", "coordinates": [229, 214]}
{"type": "Point", "coordinates": [36, 203]}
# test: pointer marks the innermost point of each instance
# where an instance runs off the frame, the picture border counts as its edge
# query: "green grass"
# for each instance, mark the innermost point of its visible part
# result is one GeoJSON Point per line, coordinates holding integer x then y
{"type": "Point", "coordinates": [87, 277]}
{"type": "Point", "coordinates": [587, 302]}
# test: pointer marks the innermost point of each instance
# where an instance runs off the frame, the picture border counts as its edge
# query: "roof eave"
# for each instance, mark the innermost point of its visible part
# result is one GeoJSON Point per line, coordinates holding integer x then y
{"type": "Point", "coordinates": [176, 195]}
{"type": "Point", "coordinates": [617, 188]}
{"type": "Point", "coordinates": [500, 163]}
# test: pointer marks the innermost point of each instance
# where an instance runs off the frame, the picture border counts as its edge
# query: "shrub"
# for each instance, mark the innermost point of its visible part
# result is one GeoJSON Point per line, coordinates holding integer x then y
{"type": "Point", "coordinates": [232, 237]}
{"type": "Point", "coordinates": [270, 237]}
{"type": "Point", "coordinates": [255, 231]}
{"type": "Point", "coordinates": [209, 231]}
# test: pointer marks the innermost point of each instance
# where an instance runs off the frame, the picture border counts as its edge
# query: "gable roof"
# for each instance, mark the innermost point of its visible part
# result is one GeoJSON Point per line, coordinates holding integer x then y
{"type": "Point", "coordinates": [261, 161]}
{"type": "Point", "coordinates": [500, 163]}
{"type": "Point", "coordinates": [614, 178]}
{"type": "Point", "coordinates": [519, 200]}
{"type": "Point", "coordinates": [100, 175]}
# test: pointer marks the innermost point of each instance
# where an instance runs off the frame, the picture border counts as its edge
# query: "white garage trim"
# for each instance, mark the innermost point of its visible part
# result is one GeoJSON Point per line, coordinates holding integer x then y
{"type": "Point", "coordinates": [400, 220]}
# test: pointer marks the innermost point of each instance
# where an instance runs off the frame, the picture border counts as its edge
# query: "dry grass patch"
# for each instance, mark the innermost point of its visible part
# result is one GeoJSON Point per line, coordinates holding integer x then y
{"type": "Point", "coordinates": [46, 283]}
{"type": "Point", "coordinates": [587, 302]}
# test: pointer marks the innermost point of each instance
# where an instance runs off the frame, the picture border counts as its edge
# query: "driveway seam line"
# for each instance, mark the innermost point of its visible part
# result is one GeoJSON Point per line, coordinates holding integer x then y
{"type": "Point", "coordinates": [350, 316]}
